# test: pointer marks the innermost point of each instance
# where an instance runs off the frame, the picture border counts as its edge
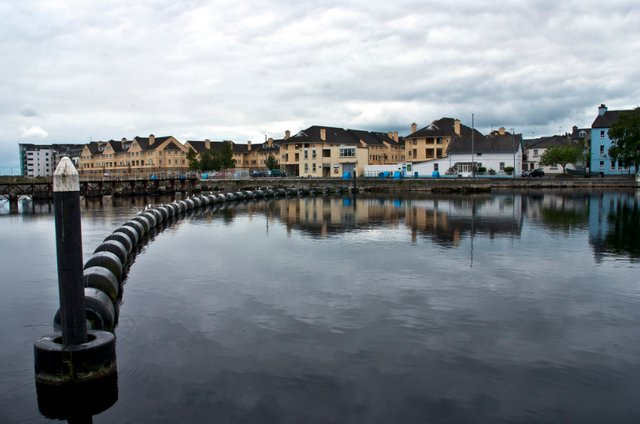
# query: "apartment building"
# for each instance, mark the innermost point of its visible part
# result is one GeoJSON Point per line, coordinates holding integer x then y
{"type": "Point", "coordinates": [140, 157]}
{"type": "Point", "coordinates": [330, 152]}
{"type": "Point", "coordinates": [40, 160]}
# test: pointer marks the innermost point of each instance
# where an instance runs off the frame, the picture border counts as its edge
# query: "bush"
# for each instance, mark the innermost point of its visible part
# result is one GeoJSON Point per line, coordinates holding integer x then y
{"type": "Point", "coordinates": [492, 171]}
{"type": "Point", "coordinates": [482, 170]}
{"type": "Point", "coordinates": [508, 170]}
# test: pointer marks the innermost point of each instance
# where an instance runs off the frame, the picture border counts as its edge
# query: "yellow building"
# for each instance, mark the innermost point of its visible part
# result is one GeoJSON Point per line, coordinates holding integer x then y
{"type": "Point", "coordinates": [140, 157]}
{"type": "Point", "coordinates": [329, 152]}
{"type": "Point", "coordinates": [248, 156]}
{"type": "Point", "coordinates": [431, 142]}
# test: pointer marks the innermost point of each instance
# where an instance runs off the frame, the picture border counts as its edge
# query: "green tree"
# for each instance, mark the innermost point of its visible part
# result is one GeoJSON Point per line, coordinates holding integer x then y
{"type": "Point", "coordinates": [562, 155]}
{"type": "Point", "coordinates": [207, 163]}
{"type": "Point", "coordinates": [272, 162]}
{"type": "Point", "coordinates": [192, 159]}
{"type": "Point", "coordinates": [225, 155]}
{"type": "Point", "coordinates": [625, 136]}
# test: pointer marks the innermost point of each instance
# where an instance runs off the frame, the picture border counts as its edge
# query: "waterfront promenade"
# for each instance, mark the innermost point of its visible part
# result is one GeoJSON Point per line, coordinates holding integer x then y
{"type": "Point", "coordinates": [41, 189]}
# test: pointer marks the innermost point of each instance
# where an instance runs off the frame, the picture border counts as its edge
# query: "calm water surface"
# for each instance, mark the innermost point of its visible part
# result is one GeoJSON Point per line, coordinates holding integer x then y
{"type": "Point", "coordinates": [512, 307]}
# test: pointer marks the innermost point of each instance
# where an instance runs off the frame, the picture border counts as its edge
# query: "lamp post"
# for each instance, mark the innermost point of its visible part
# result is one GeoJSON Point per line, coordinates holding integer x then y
{"type": "Point", "coordinates": [513, 147]}
{"type": "Point", "coordinates": [473, 164]}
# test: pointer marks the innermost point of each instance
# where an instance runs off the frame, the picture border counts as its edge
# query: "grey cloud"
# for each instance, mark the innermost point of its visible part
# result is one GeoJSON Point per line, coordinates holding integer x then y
{"type": "Point", "coordinates": [200, 67]}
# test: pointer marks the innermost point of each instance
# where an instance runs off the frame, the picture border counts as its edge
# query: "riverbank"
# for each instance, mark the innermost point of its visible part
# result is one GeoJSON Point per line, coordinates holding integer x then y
{"type": "Point", "coordinates": [42, 190]}
{"type": "Point", "coordinates": [435, 185]}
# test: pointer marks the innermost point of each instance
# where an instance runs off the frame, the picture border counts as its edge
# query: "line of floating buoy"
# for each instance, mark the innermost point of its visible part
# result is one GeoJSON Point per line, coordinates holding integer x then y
{"type": "Point", "coordinates": [106, 269]}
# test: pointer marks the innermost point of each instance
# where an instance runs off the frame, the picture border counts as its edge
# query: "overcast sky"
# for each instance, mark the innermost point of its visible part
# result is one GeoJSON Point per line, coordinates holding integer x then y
{"type": "Point", "coordinates": [76, 70]}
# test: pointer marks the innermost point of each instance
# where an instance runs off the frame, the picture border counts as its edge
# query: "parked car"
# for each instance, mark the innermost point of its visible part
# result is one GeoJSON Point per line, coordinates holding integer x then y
{"type": "Point", "coordinates": [258, 174]}
{"type": "Point", "coordinates": [278, 173]}
{"type": "Point", "coordinates": [533, 173]}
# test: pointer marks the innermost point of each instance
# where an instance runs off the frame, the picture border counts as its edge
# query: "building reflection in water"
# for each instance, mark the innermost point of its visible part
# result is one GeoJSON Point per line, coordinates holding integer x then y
{"type": "Point", "coordinates": [614, 224]}
{"type": "Point", "coordinates": [445, 220]}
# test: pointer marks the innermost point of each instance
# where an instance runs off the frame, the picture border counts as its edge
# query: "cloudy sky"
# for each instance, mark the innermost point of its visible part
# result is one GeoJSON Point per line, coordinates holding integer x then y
{"type": "Point", "coordinates": [74, 71]}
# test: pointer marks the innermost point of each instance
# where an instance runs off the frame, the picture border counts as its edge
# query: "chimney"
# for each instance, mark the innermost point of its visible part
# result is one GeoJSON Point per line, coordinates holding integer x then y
{"type": "Point", "coordinates": [501, 131]}
{"type": "Point", "coordinates": [287, 134]}
{"type": "Point", "coordinates": [414, 128]}
{"type": "Point", "coordinates": [390, 134]}
{"type": "Point", "coordinates": [323, 134]}
{"type": "Point", "coordinates": [207, 144]}
{"type": "Point", "coordinates": [395, 136]}
{"type": "Point", "coordinates": [124, 139]}
{"type": "Point", "coordinates": [602, 110]}
{"type": "Point", "coordinates": [152, 139]}
{"type": "Point", "coordinates": [249, 145]}
{"type": "Point", "coordinates": [456, 126]}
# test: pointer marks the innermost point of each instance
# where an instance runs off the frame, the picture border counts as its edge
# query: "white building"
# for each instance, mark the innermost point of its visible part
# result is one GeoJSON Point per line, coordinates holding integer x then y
{"type": "Point", "coordinates": [492, 155]}
{"type": "Point", "coordinates": [38, 161]}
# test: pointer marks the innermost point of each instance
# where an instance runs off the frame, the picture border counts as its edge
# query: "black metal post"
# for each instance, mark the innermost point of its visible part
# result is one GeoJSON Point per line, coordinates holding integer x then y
{"type": "Point", "coordinates": [66, 200]}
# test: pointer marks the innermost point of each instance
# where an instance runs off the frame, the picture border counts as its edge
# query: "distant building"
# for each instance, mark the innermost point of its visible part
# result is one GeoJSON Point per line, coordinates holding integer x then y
{"type": "Point", "coordinates": [490, 154]}
{"type": "Point", "coordinates": [534, 148]}
{"type": "Point", "coordinates": [432, 141]}
{"type": "Point", "coordinates": [140, 157]}
{"type": "Point", "coordinates": [330, 152]}
{"type": "Point", "coordinates": [600, 143]}
{"type": "Point", "coordinates": [40, 160]}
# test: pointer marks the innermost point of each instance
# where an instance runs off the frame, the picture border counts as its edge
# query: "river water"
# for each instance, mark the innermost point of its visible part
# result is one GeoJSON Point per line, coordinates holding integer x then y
{"type": "Point", "coordinates": [510, 307]}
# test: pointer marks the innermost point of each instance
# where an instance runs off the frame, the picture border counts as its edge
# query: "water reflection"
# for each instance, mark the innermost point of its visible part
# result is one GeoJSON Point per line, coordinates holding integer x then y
{"type": "Point", "coordinates": [444, 219]}
{"type": "Point", "coordinates": [614, 225]}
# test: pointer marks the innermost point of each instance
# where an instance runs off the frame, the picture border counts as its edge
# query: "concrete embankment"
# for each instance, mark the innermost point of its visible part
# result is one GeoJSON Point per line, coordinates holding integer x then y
{"type": "Point", "coordinates": [425, 185]}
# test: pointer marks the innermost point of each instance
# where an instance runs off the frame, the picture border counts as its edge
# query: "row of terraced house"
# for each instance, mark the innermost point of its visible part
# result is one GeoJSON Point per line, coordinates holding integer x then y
{"type": "Point", "coordinates": [445, 146]}
{"type": "Point", "coordinates": [317, 151]}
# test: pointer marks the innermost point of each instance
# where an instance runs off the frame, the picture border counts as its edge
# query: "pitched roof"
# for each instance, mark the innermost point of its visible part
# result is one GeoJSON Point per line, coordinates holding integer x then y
{"type": "Point", "coordinates": [607, 119]}
{"type": "Point", "coordinates": [94, 147]}
{"type": "Point", "coordinates": [200, 145]}
{"type": "Point", "coordinates": [143, 142]}
{"type": "Point", "coordinates": [372, 138]}
{"type": "Point", "coordinates": [444, 127]}
{"type": "Point", "coordinates": [486, 144]}
{"type": "Point", "coordinates": [333, 135]}
{"type": "Point", "coordinates": [546, 142]}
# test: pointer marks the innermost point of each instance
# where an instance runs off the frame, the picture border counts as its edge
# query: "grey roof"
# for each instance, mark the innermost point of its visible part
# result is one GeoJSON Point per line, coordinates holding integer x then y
{"type": "Point", "coordinates": [372, 138]}
{"type": "Point", "coordinates": [444, 127]}
{"type": "Point", "coordinates": [333, 135]}
{"type": "Point", "coordinates": [607, 119]}
{"type": "Point", "coordinates": [143, 142]}
{"type": "Point", "coordinates": [200, 145]}
{"type": "Point", "coordinates": [485, 144]}
{"type": "Point", "coordinates": [546, 142]}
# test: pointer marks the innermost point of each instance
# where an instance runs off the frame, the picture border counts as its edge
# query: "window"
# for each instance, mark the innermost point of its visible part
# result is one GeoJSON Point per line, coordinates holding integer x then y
{"type": "Point", "coordinates": [306, 168]}
{"type": "Point", "coordinates": [535, 153]}
{"type": "Point", "coordinates": [602, 150]}
{"type": "Point", "coordinates": [502, 166]}
{"type": "Point", "coordinates": [313, 168]}
{"type": "Point", "coordinates": [326, 153]}
{"type": "Point", "coordinates": [601, 164]}
{"type": "Point", "coordinates": [429, 153]}
{"type": "Point", "coordinates": [347, 152]}
{"type": "Point", "coordinates": [613, 166]}
{"type": "Point", "coordinates": [306, 153]}
{"type": "Point", "coordinates": [313, 154]}
{"type": "Point", "coordinates": [601, 133]}
{"type": "Point", "coordinates": [415, 153]}
{"type": "Point", "coordinates": [438, 141]}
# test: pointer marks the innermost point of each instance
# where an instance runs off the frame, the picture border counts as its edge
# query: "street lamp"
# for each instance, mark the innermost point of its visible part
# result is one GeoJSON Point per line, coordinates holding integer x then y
{"type": "Point", "coordinates": [513, 147]}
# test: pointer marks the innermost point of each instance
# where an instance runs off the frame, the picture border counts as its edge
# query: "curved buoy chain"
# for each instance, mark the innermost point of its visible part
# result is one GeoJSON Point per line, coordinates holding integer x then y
{"type": "Point", "coordinates": [106, 269]}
